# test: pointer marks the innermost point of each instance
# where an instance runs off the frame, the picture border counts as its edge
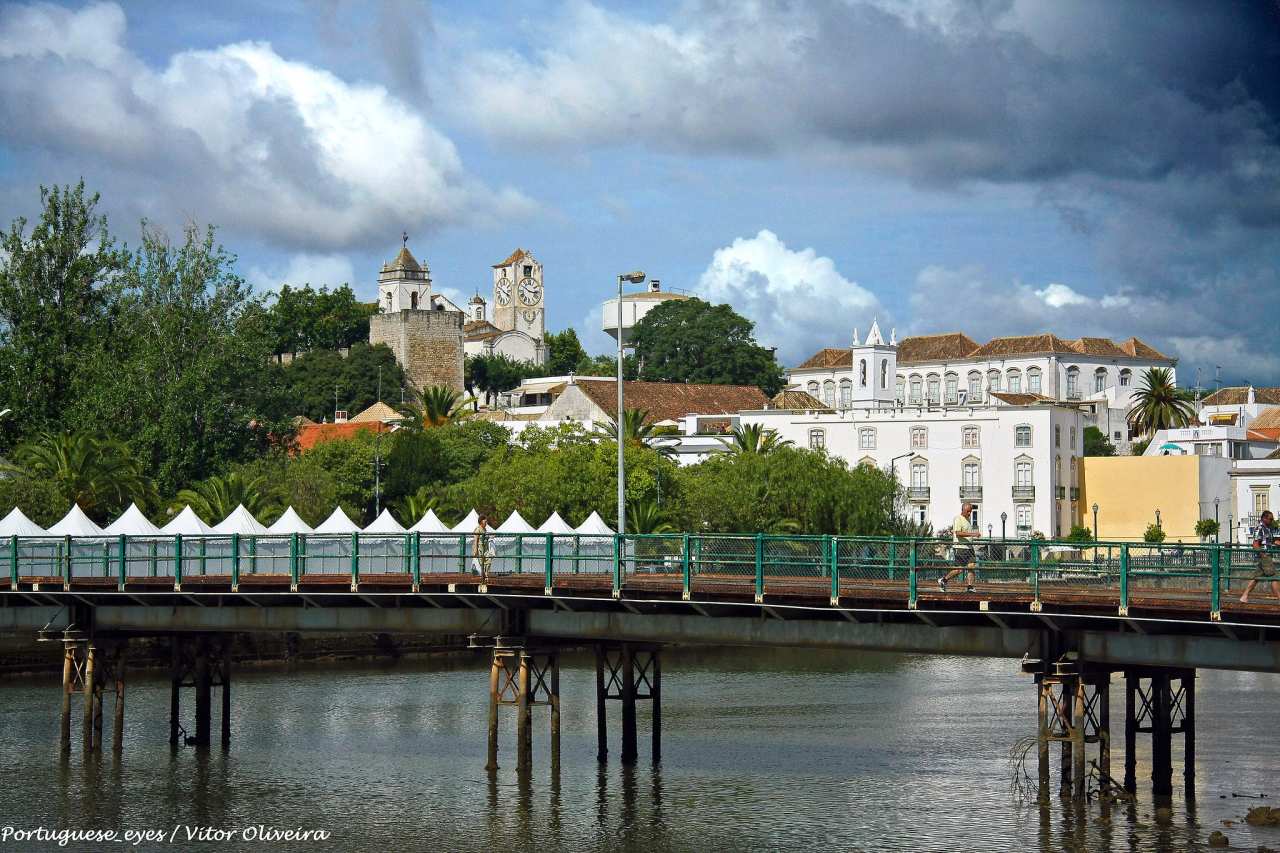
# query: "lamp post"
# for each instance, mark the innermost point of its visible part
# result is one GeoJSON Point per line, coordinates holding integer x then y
{"type": "Point", "coordinates": [635, 278]}
{"type": "Point", "coordinates": [1095, 521]}
{"type": "Point", "coordinates": [1157, 518]}
{"type": "Point", "coordinates": [1004, 517]}
{"type": "Point", "coordinates": [1217, 537]}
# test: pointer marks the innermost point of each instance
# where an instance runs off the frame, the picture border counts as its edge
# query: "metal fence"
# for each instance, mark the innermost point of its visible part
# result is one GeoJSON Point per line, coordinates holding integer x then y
{"type": "Point", "coordinates": [758, 564]}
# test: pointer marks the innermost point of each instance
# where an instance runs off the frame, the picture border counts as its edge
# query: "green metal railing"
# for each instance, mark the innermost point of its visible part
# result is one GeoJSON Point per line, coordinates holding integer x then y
{"type": "Point", "coordinates": [759, 564]}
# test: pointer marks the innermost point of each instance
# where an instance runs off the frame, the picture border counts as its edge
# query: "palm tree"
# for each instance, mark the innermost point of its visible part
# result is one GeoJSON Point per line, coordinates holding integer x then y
{"type": "Point", "coordinates": [647, 517]}
{"type": "Point", "coordinates": [215, 498]}
{"type": "Point", "coordinates": [1159, 404]}
{"type": "Point", "coordinates": [637, 431]}
{"type": "Point", "coordinates": [753, 438]}
{"type": "Point", "coordinates": [413, 507]}
{"type": "Point", "coordinates": [440, 406]}
{"type": "Point", "coordinates": [99, 473]}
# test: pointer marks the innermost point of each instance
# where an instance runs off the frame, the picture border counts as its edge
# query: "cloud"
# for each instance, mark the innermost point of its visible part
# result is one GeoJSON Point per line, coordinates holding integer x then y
{"type": "Point", "coordinates": [317, 270]}
{"type": "Point", "coordinates": [256, 142]}
{"type": "Point", "coordinates": [793, 296]}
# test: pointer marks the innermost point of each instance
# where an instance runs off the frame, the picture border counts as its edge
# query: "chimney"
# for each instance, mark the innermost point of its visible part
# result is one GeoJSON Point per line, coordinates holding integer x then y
{"type": "Point", "coordinates": [655, 286]}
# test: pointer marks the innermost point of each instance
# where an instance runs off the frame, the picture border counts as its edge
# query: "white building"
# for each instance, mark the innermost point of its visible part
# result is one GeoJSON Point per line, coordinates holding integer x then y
{"type": "Point", "coordinates": [518, 326]}
{"type": "Point", "coordinates": [634, 307]}
{"type": "Point", "coordinates": [952, 369]}
{"type": "Point", "coordinates": [405, 285]}
{"type": "Point", "coordinates": [1229, 442]}
{"type": "Point", "coordinates": [1255, 487]}
{"type": "Point", "coordinates": [1256, 408]}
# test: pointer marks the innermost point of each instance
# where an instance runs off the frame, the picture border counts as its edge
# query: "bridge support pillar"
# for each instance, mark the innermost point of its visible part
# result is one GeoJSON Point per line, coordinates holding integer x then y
{"type": "Point", "coordinates": [521, 677]}
{"type": "Point", "coordinates": [1160, 702]}
{"type": "Point", "coordinates": [1074, 711]}
{"type": "Point", "coordinates": [88, 667]}
{"type": "Point", "coordinates": [628, 672]}
{"type": "Point", "coordinates": [201, 662]}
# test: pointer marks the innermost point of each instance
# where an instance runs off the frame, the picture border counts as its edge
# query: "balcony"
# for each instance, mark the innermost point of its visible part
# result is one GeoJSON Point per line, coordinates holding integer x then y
{"type": "Point", "coordinates": [918, 494]}
{"type": "Point", "coordinates": [1073, 393]}
{"type": "Point", "coordinates": [971, 493]}
{"type": "Point", "coordinates": [1024, 493]}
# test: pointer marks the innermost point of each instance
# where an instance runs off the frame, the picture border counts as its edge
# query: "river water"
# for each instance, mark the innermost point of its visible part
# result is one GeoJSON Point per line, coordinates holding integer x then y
{"type": "Point", "coordinates": [761, 750]}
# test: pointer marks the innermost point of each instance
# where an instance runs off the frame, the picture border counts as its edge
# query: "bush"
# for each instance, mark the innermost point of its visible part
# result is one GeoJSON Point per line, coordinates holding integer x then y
{"type": "Point", "coordinates": [1080, 533]}
{"type": "Point", "coordinates": [1207, 527]}
{"type": "Point", "coordinates": [1154, 534]}
{"type": "Point", "coordinates": [39, 499]}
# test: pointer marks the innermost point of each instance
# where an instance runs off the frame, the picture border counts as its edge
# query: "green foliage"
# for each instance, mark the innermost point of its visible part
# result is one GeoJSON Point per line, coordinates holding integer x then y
{"type": "Point", "coordinates": [788, 489]}
{"type": "Point", "coordinates": [607, 365]}
{"type": "Point", "coordinates": [39, 499]}
{"type": "Point", "coordinates": [303, 319]}
{"type": "Point", "coordinates": [1080, 533]}
{"type": "Point", "coordinates": [1139, 447]}
{"type": "Point", "coordinates": [1207, 527]}
{"type": "Point", "coordinates": [1154, 534]}
{"type": "Point", "coordinates": [100, 474]}
{"type": "Point", "coordinates": [636, 431]}
{"type": "Point", "coordinates": [754, 438]}
{"type": "Point", "coordinates": [215, 498]}
{"type": "Point", "coordinates": [689, 340]}
{"type": "Point", "coordinates": [439, 406]}
{"type": "Point", "coordinates": [647, 517]}
{"type": "Point", "coordinates": [1159, 404]}
{"type": "Point", "coordinates": [350, 465]}
{"type": "Point", "coordinates": [564, 352]}
{"type": "Point", "coordinates": [490, 375]}
{"type": "Point", "coordinates": [311, 379]}
{"type": "Point", "coordinates": [411, 508]}
{"type": "Point", "coordinates": [1096, 443]}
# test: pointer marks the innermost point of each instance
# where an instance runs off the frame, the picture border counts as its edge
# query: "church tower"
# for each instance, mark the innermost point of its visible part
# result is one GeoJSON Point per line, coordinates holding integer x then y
{"type": "Point", "coordinates": [518, 296]}
{"type": "Point", "coordinates": [875, 369]}
{"type": "Point", "coordinates": [404, 284]}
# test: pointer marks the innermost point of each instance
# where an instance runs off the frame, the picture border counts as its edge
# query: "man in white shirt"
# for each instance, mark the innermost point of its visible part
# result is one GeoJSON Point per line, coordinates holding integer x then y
{"type": "Point", "coordinates": [962, 529]}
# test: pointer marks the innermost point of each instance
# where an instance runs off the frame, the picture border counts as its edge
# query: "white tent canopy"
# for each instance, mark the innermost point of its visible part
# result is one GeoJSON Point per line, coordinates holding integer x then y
{"type": "Point", "coordinates": [75, 523]}
{"type": "Point", "coordinates": [556, 525]}
{"type": "Point", "coordinates": [337, 522]}
{"type": "Point", "coordinates": [594, 526]}
{"type": "Point", "coordinates": [515, 523]}
{"type": "Point", "coordinates": [468, 524]}
{"type": "Point", "coordinates": [288, 523]}
{"type": "Point", "coordinates": [385, 523]}
{"type": "Point", "coordinates": [17, 524]}
{"type": "Point", "coordinates": [241, 521]}
{"type": "Point", "coordinates": [132, 523]}
{"type": "Point", "coordinates": [187, 523]}
{"type": "Point", "coordinates": [431, 523]}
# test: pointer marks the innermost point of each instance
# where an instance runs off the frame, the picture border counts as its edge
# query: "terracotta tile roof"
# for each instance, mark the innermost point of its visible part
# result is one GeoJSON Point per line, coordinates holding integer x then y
{"type": "Point", "coordinates": [666, 401]}
{"type": "Point", "coordinates": [1020, 399]}
{"type": "Point", "coordinates": [1266, 419]}
{"type": "Point", "coordinates": [511, 258]}
{"type": "Point", "coordinates": [1239, 395]}
{"type": "Point", "coordinates": [1023, 345]}
{"type": "Point", "coordinates": [945, 347]}
{"type": "Point", "coordinates": [1261, 434]}
{"type": "Point", "coordinates": [480, 330]}
{"type": "Point", "coordinates": [797, 401]}
{"type": "Point", "coordinates": [1098, 346]}
{"type": "Point", "coordinates": [1140, 349]}
{"type": "Point", "coordinates": [310, 435]}
{"type": "Point", "coordinates": [829, 357]}
{"type": "Point", "coordinates": [404, 260]}
{"type": "Point", "coordinates": [379, 412]}
{"type": "Point", "coordinates": [301, 421]}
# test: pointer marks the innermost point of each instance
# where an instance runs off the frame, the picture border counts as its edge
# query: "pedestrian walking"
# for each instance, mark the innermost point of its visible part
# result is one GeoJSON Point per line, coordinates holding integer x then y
{"type": "Point", "coordinates": [482, 549]}
{"type": "Point", "coordinates": [1264, 537]}
{"type": "Point", "coordinates": [962, 553]}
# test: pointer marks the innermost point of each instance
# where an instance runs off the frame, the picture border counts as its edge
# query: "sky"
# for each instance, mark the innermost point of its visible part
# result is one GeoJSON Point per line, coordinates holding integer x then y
{"type": "Point", "coordinates": [994, 167]}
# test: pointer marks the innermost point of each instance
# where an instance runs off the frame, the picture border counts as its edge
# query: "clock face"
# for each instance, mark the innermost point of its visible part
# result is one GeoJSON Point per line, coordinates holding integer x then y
{"type": "Point", "coordinates": [504, 291]}
{"type": "Point", "coordinates": [530, 291]}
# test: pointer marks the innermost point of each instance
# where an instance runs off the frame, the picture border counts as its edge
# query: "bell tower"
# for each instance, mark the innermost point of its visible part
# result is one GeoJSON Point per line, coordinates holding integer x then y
{"type": "Point", "coordinates": [519, 302]}
{"type": "Point", "coordinates": [403, 283]}
{"type": "Point", "coordinates": [875, 369]}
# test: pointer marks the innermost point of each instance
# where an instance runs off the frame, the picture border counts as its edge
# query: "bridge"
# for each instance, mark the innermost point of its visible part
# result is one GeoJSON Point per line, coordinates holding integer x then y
{"type": "Point", "coordinates": [1073, 614]}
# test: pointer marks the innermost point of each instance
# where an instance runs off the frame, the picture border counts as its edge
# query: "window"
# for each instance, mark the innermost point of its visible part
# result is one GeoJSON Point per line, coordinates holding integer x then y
{"type": "Point", "coordinates": [919, 474]}
{"type": "Point", "coordinates": [920, 513]}
{"type": "Point", "coordinates": [1022, 435]}
{"type": "Point", "coordinates": [993, 380]}
{"type": "Point", "coordinates": [902, 390]}
{"type": "Point", "coordinates": [867, 438]}
{"type": "Point", "coordinates": [1022, 519]}
{"type": "Point", "coordinates": [528, 270]}
{"type": "Point", "coordinates": [952, 389]}
{"type": "Point", "coordinates": [1099, 380]}
{"type": "Point", "coordinates": [1073, 438]}
{"type": "Point", "coordinates": [975, 387]}
{"type": "Point", "coordinates": [413, 301]}
{"type": "Point", "coordinates": [1126, 377]}
{"type": "Point", "coordinates": [862, 373]}
{"type": "Point", "coordinates": [933, 388]}
{"type": "Point", "coordinates": [971, 475]}
{"type": "Point", "coordinates": [829, 392]}
{"type": "Point", "coordinates": [1033, 381]}
{"type": "Point", "coordinates": [919, 437]}
{"type": "Point", "coordinates": [1057, 435]}
{"type": "Point", "coordinates": [1213, 449]}
{"type": "Point", "coordinates": [813, 390]}
{"type": "Point", "coordinates": [916, 386]}
{"type": "Point", "coordinates": [1117, 435]}
{"type": "Point", "coordinates": [1022, 473]}
{"type": "Point", "coordinates": [1014, 380]}
{"type": "Point", "coordinates": [1261, 501]}
{"type": "Point", "coordinates": [1073, 383]}
{"type": "Point", "coordinates": [846, 393]}
{"type": "Point", "coordinates": [817, 439]}
{"type": "Point", "coordinates": [884, 373]}
{"type": "Point", "coordinates": [867, 462]}
{"type": "Point", "coordinates": [970, 435]}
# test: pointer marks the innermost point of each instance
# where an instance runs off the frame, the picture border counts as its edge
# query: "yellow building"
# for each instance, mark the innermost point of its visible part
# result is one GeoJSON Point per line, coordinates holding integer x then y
{"type": "Point", "coordinates": [1129, 490]}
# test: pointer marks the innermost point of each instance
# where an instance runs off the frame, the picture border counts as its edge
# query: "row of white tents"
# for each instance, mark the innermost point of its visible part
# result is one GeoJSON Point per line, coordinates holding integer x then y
{"type": "Point", "coordinates": [240, 521]}
{"type": "Point", "coordinates": [327, 548]}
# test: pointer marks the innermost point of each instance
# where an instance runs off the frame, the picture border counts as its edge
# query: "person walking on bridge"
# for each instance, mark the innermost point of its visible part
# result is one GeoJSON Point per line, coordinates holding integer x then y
{"type": "Point", "coordinates": [962, 554]}
{"type": "Point", "coordinates": [1264, 538]}
{"type": "Point", "coordinates": [482, 548]}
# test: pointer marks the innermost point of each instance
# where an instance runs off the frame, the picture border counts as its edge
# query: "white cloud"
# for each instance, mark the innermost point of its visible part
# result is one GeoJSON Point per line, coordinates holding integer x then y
{"type": "Point", "coordinates": [253, 140]}
{"type": "Point", "coordinates": [317, 270]}
{"type": "Point", "coordinates": [794, 296]}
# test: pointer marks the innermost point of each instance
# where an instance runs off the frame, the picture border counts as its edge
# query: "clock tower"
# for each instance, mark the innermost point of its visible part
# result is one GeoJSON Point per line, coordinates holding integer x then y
{"type": "Point", "coordinates": [518, 297]}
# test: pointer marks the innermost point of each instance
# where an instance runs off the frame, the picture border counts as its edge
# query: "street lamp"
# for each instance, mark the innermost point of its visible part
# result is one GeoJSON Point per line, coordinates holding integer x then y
{"type": "Point", "coordinates": [1095, 521]}
{"type": "Point", "coordinates": [635, 278]}
{"type": "Point", "coordinates": [1217, 537]}
{"type": "Point", "coordinates": [1157, 518]}
{"type": "Point", "coordinates": [1004, 517]}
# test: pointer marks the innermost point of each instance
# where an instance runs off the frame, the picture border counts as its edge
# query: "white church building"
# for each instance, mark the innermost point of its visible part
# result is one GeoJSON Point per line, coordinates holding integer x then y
{"type": "Point", "coordinates": [518, 326]}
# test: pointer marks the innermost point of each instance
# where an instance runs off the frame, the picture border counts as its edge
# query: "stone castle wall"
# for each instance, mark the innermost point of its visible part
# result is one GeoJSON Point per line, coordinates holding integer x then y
{"type": "Point", "coordinates": [427, 344]}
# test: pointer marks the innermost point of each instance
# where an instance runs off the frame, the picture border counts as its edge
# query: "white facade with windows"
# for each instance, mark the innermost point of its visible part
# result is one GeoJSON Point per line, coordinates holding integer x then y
{"type": "Point", "coordinates": [1255, 488]}
{"type": "Point", "coordinates": [1017, 460]}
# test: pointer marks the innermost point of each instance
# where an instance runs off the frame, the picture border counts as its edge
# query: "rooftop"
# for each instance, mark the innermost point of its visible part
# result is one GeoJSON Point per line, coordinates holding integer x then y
{"type": "Point", "coordinates": [309, 435]}
{"type": "Point", "coordinates": [668, 401]}
{"type": "Point", "coordinates": [404, 260]}
{"type": "Point", "coordinates": [379, 412]}
{"type": "Point", "coordinates": [512, 258]}
{"type": "Point", "coordinates": [955, 346]}
{"type": "Point", "coordinates": [794, 400]}
{"type": "Point", "coordinates": [1238, 395]}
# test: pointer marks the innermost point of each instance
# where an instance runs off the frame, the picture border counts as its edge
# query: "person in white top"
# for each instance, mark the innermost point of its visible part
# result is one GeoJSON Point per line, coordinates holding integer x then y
{"type": "Point", "coordinates": [962, 529]}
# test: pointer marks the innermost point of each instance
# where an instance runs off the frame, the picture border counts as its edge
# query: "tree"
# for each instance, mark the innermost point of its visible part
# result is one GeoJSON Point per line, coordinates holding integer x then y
{"type": "Point", "coordinates": [754, 438]}
{"type": "Point", "coordinates": [413, 507]}
{"type": "Point", "coordinates": [564, 352]}
{"type": "Point", "coordinates": [59, 290]}
{"type": "Point", "coordinates": [647, 517]}
{"type": "Point", "coordinates": [607, 365]}
{"type": "Point", "coordinates": [689, 340]}
{"type": "Point", "coordinates": [1138, 448]}
{"type": "Point", "coordinates": [303, 319]}
{"type": "Point", "coordinates": [1154, 534]}
{"type": "Point", "coordinates": [366, 375]}
{"type": "Point", "coordinates": [636, 430]}
{"type": "Point", "coordinates": [1159, 404]}
{"type": "Point", "coordinates": [217, 497]}
{"type": "Point", "coordinates": [493, 374]}
{"type": "Point", "coordinates": [39, 499]}
{"type": "Point", "coordinates": [1096, 443]}
{"type": "Point", "coordinates": [350, 464]}
{"type": "Point", "coordinates": [1207, 527]}
{"type": "Point", "coordinates": [1081, 534]}
{"type": "Point", "coordinates": [439, 406]}
{"type": "Point", "coordinates": [99, 473]}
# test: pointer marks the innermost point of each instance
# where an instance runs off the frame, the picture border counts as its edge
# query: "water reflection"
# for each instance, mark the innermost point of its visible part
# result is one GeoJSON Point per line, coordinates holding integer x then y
{"type": "Point", "coordinates": [762, 750]}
